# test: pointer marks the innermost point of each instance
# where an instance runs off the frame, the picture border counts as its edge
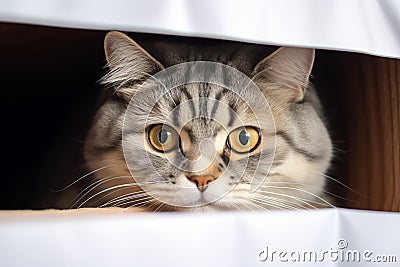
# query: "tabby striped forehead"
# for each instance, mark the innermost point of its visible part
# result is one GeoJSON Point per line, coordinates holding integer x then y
{"type": "Point", "coordinates": [202, 105]}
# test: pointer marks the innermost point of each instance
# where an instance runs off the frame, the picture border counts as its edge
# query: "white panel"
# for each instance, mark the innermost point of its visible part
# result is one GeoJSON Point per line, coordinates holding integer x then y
{"type": "Point", "coordinates": [207, 239]}
{"type": "Point", "coordinates": [371, 26]}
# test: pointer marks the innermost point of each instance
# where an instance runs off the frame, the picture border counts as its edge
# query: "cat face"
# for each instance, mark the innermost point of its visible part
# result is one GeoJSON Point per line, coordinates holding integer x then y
{"type": "Point", "coordinates": [202, 135]}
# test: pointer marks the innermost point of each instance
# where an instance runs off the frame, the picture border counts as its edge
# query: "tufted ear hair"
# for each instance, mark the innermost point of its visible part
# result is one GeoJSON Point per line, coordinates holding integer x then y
{"type": "Point", "coordinates": [128, 62]}
{"type": "Point", "coordinates": [288, 68]}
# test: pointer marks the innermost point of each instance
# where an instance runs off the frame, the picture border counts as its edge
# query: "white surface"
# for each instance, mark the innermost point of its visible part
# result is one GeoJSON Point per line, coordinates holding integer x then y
{"type": "Point", "coordinates": [213, 239]}
{"type": "Point", "coordinates": [368, 26]}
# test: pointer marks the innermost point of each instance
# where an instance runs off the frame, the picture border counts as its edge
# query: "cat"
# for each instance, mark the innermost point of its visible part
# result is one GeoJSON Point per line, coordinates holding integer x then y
{"type": "Point", "coordinates": [158, 159]}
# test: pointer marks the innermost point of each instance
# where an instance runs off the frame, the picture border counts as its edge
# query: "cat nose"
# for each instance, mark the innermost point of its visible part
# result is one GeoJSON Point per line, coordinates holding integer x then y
{"type": "Point", "coordinates": [201, 181]}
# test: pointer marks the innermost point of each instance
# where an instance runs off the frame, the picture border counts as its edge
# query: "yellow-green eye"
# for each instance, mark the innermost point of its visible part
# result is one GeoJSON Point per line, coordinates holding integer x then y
{"type": "Point", "coordinates": [162, 137]}
{"type": "Point", "coordinates": [244, 139]}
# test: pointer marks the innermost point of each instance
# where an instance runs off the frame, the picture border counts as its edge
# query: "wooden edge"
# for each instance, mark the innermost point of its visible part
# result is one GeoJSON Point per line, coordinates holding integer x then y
{"type": "Point", "coordinates": [68, 212]}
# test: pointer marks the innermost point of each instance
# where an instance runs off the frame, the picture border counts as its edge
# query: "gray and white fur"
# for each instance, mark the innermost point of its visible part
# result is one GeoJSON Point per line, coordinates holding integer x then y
{"type": "Point", "coordinates": [303, 146]}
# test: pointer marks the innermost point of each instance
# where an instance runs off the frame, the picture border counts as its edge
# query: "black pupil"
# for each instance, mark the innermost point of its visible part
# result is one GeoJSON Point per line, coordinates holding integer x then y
{"type": "Point", "coordinates": [244, 137]}
{"type": "Point", "coordinates": [163, 136]}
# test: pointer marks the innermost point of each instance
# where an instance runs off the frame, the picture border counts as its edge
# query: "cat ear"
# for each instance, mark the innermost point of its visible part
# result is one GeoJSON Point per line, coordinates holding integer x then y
{"type": "Point", "coordinates": [128, 62]}
{"type": "Point", "coordinates": [287, 68]}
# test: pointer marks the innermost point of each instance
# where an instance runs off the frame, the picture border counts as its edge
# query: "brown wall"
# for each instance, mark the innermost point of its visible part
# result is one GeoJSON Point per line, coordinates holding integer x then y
{"type": "Point", "coordinates": [373, 132]}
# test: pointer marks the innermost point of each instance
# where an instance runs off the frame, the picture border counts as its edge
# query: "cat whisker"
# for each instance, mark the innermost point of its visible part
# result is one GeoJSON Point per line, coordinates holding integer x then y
{"type": "Point", "coordinates": [114, 192]}
{"type": "Point", "coordinates": [93, 186]}
{"type": "Point", "coordinates": [98, 183]}
{"type": "Point", "coordinates": [301, 190]}
{"type": "Point", "coordinates": [133, 185]}
{"type": "Point", "coordinates": [271, 202]}
{"type": "Point", "coordinates": [307, 185]}
{"type": "Point", "coordinates": [284, 201]}
{"type": "Point", "coordinates": [160, 206]}
{"type": "Point", "coordinates": [289, 201]}
{"type": "Point", "coordinates": [138, 204]}
{"type": "Point", "coordinates": [131, 195]}
{"type": "Point", "coordinates": [129, 200]}
{"type": "Point", "coordinates": [250, 203]}
{"type": "Point", "coordinates": [336, 149]}
{"type": "Point", "coordinates": [122, 200]}
{"type": "Point", "coordinates": [236, 204]}
{"type": "Point", "coordinates": [119, 198]}
{"type": "Point", "coordinates": [157, 206]}
{"type": "Point", "coordinates": [307, 202]}
{"type": "Point", "coordinates": [79, 179]}
{"type": "Point", "coordinates": [339, 182]}
{"type": "Point", "coordinates": [103, 191]}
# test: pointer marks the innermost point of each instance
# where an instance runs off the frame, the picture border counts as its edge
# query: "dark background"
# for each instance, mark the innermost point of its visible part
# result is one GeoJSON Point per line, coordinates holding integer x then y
{"type": "Point", "coordinates": [49, 91]}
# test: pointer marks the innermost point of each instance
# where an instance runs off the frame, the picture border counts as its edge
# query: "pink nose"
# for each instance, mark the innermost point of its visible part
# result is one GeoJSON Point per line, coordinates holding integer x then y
{"type": "Point", "coordinates": [201, 181]}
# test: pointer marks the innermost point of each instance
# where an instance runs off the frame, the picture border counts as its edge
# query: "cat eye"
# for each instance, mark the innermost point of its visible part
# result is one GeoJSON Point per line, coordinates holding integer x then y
{"type": "Point", "coordinates": [244, 139]}
{"type": "Point", "coordinates": [162, 138]}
